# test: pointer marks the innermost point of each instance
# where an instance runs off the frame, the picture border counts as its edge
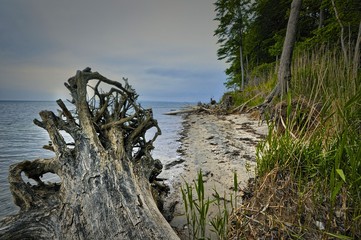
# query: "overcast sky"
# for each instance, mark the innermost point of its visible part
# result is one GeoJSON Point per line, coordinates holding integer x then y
{"type": "Point", "coordinates": [165, 48]}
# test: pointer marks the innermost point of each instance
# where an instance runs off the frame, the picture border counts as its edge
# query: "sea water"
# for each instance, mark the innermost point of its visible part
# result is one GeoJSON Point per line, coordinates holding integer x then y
{"type": "Point", "coordinates": [21, 139]}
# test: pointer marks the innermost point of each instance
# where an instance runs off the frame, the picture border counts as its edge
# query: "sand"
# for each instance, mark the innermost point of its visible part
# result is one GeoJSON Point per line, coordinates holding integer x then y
{"type": "Point", "coordinates": [219, 146]}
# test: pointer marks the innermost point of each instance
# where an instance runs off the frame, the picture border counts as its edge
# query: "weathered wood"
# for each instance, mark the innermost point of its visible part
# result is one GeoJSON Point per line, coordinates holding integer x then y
{"type": "Point", "coordinates": [106, 174]}
{"type": "Point", "coordinates": [187, 110]}
{"type": "Point", "coordinates": [196, 109]}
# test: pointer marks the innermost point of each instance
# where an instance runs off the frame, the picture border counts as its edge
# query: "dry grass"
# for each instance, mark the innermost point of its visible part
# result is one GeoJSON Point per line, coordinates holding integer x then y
{"type": "Point", "coordinates": [275, 207]}
{"type": "Point", "coordinates": [309, 169]}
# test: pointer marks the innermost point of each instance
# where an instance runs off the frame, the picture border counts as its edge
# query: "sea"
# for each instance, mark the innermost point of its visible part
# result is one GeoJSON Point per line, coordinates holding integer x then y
{"type": "Point", "coordinates": [21, 139]}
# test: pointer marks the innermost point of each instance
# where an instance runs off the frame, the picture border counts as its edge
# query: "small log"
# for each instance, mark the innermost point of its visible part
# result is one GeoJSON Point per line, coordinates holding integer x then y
{"type": "Point", "coordinates": [188, 110]}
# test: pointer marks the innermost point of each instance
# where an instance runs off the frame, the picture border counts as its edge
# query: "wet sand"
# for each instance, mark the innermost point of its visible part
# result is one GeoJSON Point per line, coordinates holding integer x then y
{"type": "Point", "coordinates": [219, 146]}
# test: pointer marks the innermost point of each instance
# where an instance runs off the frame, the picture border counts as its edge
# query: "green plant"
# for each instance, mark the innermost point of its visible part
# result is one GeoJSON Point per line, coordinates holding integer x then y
{"type": "Point", "coordinates": [196, 208]}
{"type": "Point", "coordinates": [220, 221]}
{"type": "Point", "coordinates": [328, 155]}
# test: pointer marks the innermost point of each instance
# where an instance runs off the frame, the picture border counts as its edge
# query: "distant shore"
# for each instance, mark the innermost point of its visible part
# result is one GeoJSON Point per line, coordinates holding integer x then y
{"type": "Point", "coordinates": [219, 146]}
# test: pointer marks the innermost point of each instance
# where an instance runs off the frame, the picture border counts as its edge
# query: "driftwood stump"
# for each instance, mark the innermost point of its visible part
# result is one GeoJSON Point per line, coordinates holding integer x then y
{"type": "Point", "coordinates": [106, 173]}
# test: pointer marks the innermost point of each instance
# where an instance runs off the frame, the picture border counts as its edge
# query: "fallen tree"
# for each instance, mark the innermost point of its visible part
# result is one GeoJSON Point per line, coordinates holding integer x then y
{"type": "Point", "coordinates": [106, 173]}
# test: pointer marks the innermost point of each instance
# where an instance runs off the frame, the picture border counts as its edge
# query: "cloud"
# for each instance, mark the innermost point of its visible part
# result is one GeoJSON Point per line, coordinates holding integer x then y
{"type": "Point", "coordinates": [196, 84]}
{"type": "Point", "coordinates": [163, 46]}
{"type": "Point", "coordinates": [180, 73]}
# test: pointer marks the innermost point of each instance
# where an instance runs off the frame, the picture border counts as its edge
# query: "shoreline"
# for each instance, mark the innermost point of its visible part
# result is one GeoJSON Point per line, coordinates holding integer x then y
{"type": "Point", "coordinates": [218, 145]}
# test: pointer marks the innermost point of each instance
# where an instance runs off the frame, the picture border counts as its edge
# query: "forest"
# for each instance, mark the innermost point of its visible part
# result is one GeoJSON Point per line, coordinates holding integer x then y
{"type": "Point", "coordinates": [298, 64]}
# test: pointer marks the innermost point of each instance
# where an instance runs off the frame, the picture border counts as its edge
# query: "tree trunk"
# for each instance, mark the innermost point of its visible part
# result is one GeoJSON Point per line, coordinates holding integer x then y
{"type": "Point", "coordinates": [342, 39]}
{"type": "Point", "coordinates": [284, 71]}
{"type": "Point", "coordinates": [356, 57]}
{"type": "Point", "coordinates": [242, 66]}
{"type": "Point", "coordinates": [106, 174]}
{"type": "Point", "coordinates": [321, 17]}
{"type": "Point", "coordinates": [240, 47]}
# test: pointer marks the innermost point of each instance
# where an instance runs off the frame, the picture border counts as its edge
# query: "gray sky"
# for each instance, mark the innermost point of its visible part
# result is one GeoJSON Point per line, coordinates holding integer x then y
{"type": "Point", "coordinates": [165, 48]}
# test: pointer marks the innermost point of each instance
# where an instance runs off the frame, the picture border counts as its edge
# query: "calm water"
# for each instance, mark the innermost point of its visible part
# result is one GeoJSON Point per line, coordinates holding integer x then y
{"type": "Point", "coordinates": [20, 139]}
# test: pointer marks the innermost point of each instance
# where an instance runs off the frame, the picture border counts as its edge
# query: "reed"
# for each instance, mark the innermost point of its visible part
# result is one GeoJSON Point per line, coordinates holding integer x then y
{"type": "Point", "coordinates": [329, 154]}
{"type": "Point", "coordinates": [196, 207]}
{"type": "Point", "coordinates": [316, 141]}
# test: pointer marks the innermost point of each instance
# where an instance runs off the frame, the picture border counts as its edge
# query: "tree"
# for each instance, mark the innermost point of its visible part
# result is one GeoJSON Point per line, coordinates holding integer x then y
{"type": "Point", "coordinates": [232, 16]}
{"type": "Point", "coordinates": [263, 38]}
{"type": "Point", "coordinates": [284, 71]}
{"type": "Point", "coordinates": [331, 22]}
{"type": "Point", "coordinates": [106, 174]}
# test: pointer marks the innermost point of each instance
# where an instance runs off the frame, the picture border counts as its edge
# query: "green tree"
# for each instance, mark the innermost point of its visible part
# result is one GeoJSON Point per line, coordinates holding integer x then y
{"type": "Point", "coordinates": [331, 22]}
{"type": "Point", "coordinates": [233, 17]}
{"type": "Point", "coordinates": [254, 31]}
{"type": "Point", "coordinates": [264, 37]}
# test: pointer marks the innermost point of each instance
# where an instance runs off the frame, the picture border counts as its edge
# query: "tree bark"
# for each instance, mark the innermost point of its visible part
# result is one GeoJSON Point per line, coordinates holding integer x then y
{"type": "Point", "coordinates": [342, 30]}
{"type": "Point", "coordinates": [242, 66]}
{"type": "Point", "coordinates": [356, 57]}
{"type": "Point", "coordinates": [284, 71]}
{"type": "Point", "coordinates": [240, 47]}
{"type": "Point", "coordinates": [106, 174]}
{"type": "Point", "coordinates": [321, 18]}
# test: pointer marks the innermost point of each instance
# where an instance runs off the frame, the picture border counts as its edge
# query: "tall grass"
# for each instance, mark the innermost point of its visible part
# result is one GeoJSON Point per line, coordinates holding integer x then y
{"type": "Point", "coordinates": [320, 146]}
{"type": "Point", "coordinates": [329, 155]}
{"type": "Point", "coordinates": [196, 207]}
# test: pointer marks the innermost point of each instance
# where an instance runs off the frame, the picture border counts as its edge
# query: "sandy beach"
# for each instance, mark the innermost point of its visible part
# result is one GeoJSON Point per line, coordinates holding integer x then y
{"type": "Point", "coordinates": [219, 146]}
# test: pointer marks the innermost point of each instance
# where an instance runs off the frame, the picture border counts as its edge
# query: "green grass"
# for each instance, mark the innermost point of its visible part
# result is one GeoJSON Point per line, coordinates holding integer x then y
{"type": "Point", "coordinates": [324, 160]}
{"type": "Point", "coordinates": [253, 94]}
{"type": "Point", "coordinates": [327, 155]}
{"type": "Point", "coordinates": [196, 207]}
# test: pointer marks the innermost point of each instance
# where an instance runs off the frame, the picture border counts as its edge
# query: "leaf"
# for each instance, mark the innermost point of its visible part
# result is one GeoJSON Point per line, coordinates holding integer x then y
{"type": "Point", "coordinates": [339, 236]}
{"type": "Point", "coordinates": [335, 191]}
{"type": "Point", "coordinates": [341, 174]}
{"type": "Point", "coordinates": [235, 182]}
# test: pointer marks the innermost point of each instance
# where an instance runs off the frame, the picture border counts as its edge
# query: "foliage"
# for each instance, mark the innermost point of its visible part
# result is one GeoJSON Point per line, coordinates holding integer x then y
{"type": "Point", "coordinates": [316, 147]}
{"type": "Point", "coordinates": [264, 79]}
{"type": "Point", "coordinates": [326, 28]}
{"type": "Point", "coordinates": [233, 17]}
{"type": "Point", "coordinates": [328, 155]}
{"type": "Point", "coordinates": [320, 149]}
{"type": "Point", "coordinates": [330, 164]}
{"type": "Point", "coordinates": [196, 208]}
{"type": "Point", "coordinates": [263, 72]}
{"type": "Point", "coordinates": [269, 21]}
{"type": "Point", "coordinates": [263, 27]}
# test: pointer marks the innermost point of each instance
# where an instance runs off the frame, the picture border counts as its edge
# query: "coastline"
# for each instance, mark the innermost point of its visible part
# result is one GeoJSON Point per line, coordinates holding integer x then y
{"type": "Point", "coordinates": [218, 145]}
